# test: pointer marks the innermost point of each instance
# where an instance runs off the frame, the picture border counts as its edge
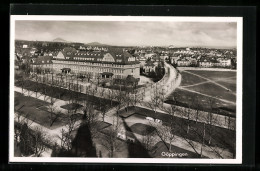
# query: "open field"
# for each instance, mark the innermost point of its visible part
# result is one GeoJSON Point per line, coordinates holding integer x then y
{"type": "Point", "coordinates": [214, 75]}
{"type": "Point", "coordinates": [185, 98]}
{"type": "Point", "coordinates": [226, 78]}
{"type": "Point", "coordinates": [33, 109]}
{"type": "Point", "coordinates": [188, 79]}
{"type": "Point", "coordinates": [205, 87]}
{"type": "Point", "coordinates": [217, 91]}
{"type": "Point", "coordinates": [63, 94]}
{"type": "Point", "coordinates": [142, 129]}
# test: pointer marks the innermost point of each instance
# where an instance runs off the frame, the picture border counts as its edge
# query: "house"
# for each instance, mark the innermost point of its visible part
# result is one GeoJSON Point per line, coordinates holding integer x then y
{"type": "Point", "coordinates": [43, 62]}
{"type": "Point", "coordinates": [208, 62]}
{"type": "Point", "coordinates": [204, 62]}
{"type": "Point", "coordinates": [163, 56]}
{"type": "Point", "coordinates": [150, 118]}
{"type": "Point", "coordinates": [225, 62]}
{"type": "Point", "coordinates": [173, 59]}
{"type": "Point", "coordinates": [149, 55]}
{"type": "Point", "coordinates": [142, 61]}
{"type": "Point", "coordinates": [183, 62]}
{"type": "Point", "coordinates": [149, 66]}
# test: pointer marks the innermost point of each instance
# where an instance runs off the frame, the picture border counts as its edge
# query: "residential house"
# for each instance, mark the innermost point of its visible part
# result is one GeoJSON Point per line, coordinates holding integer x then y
{"type": "Point", "coordinates": [149, 66]}
{"type": "Point", "coordinates": [183, 62]}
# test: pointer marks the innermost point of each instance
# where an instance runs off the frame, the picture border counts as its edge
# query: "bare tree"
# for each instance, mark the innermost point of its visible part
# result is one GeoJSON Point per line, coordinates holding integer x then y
{"type": "Point", "coordinates": [40, 141]}
{"type": "Point", "coordinates": [210, 118]}
{"type": "Point", "coordinates": [148, 140]}
{"type": "Point", "coordinates": [98, 77]}
{"type": "Point", "coordinates": [104, 109]}
{"type": "Point", "coordinates": [22, 80]}
{"type": "Point", "coordinates": [136, 97]}
{"type": "Point", "coordinates": [187, 113]}
{"type": "Point", "coordinates": [52, 92]}
{"type": "Point", "coordinates": [90, 118]}
{"type": "Point", "coordinates": [111, 96]}
{"type": "Point", "coordinates": [127, 100]}
{"type": "Point", "coordinates": [67, 134]}
{"type": "Point", "coordinates": [191, 143]}
{"type": "Point", "coordinates": [44, 92]}
{"type": "Point", "coordinates": [203, 140]}
{"type": "Point", "coordinates": [94, 90]}
{"type": "Point", "coordinates": [81, 77]}
{"type": "Point", "coordinates": [54, 115]}
{"type": "Point", "coordinates": [101, 94]}
{"type": "Point", "coordinates": [89, 75]}
{"type": "Point", "coordinates": [167, 131]}
{"type": "Point", "coordinates": [156, 100]}
{"type": "Point", "coordinates": [197, 106]}
{"type": "Point", "coordinates": [120, 98]}
{"type": "Point", "coordinates": [37, 85]}
{"type": "Point", "coordinates": [110, 141]}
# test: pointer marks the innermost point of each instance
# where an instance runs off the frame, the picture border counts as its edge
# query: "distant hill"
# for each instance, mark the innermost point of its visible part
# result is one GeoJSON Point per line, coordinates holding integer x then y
{"type": "Point", "coordinates": [96, 44]}
{"type": "Point", "coordinates": [59, 40]}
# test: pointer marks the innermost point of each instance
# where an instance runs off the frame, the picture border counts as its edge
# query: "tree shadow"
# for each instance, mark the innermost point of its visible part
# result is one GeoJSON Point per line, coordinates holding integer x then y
{"type": "Point", "coordinates": [135, 149]}
{"type": "Point", "coordinates": [82, 145]}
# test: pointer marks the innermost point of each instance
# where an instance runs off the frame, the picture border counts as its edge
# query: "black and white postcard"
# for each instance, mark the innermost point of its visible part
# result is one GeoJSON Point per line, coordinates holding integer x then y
{"type": "Point", "coordinates": [125, 89]}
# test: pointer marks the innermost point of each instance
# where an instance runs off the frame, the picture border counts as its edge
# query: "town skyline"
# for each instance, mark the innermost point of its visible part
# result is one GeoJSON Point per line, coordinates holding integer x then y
{"type": "Point", "coordinates": [117, 33]}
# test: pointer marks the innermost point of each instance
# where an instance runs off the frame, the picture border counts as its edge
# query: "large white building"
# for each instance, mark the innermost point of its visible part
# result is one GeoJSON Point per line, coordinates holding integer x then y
{"type": "Point", "coordinates": [114, 63]}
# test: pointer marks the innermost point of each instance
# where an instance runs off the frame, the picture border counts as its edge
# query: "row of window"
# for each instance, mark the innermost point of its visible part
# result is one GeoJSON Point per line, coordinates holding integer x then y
{"type": "Point", "coordinates": [89, 59]}
{"type": "Point", "coordinates": [91, 54]}
{"type": "Point", "coordinates": [93, 64]}
{"type": "Point", "coordinates": [84, 68]}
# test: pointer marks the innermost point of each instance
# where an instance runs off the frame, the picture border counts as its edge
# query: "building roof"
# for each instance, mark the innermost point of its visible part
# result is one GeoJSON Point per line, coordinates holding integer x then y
{"type": "Point", "coordinates": [207, 59]}
{"type": "Point", "coordinates": [183, 59]}
{"type": "Point", "coordinates": [107, 73]}
{"type": "Point", "coordinates": [118, 54]}
{"type": "Point", "coordinates": [42, 60]}
{"type": "Point", "coordinates": [149, 63]}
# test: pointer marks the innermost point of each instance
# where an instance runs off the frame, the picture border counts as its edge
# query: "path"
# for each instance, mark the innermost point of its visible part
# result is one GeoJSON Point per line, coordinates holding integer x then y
{"type": "Point", "coordinates": [168, 83]}
{"type": "Point", "coordinates": [214, 82]}
{"type": "Point", "coordinates": [223, 100]}
{"type": "Point", "coordinates": [206, 69]}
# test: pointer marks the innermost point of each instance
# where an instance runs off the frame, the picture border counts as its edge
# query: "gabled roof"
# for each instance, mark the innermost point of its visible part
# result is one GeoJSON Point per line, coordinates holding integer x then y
{"type": "Point", "coordinates": [207, 59]}
{"type": "Point", "coordinates": [116, 53]}
{"type": "Point", "coordinates": [183, 59]}
{"type": "Point", "coordinates": [42, 60]}
{"type": "Point", "coordinates": [149, 63]}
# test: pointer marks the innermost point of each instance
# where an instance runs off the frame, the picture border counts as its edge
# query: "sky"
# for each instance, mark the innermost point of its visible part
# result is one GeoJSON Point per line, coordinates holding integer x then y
{"type": "Point", "coordinates": [131, 33]}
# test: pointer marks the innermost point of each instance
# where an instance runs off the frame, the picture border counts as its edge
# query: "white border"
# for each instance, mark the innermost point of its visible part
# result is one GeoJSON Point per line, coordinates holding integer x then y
{"type": "Point", "coordinates": [238, 159]}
